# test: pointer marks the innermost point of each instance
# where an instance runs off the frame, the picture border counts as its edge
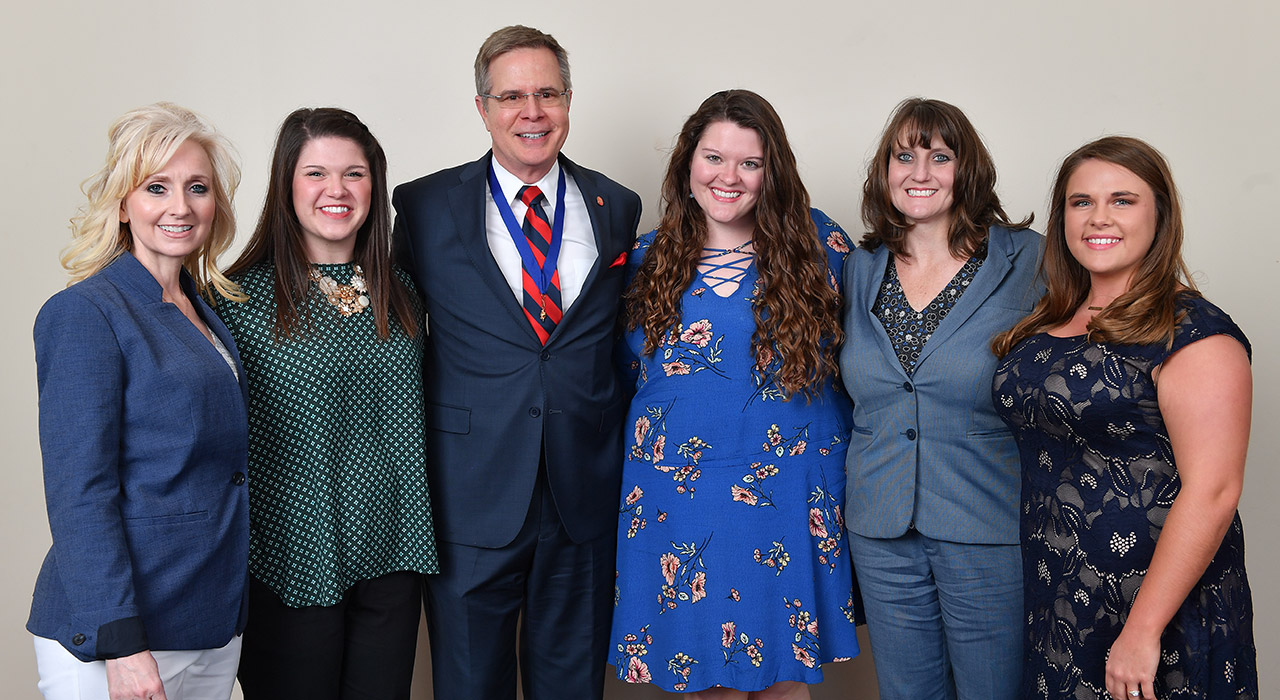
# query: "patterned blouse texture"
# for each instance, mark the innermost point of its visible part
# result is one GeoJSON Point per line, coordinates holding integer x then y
{"type": "Point", "coordinates": [909, 329]}
{"type": "Point", "coordinates": [1098, 480]}
{"type": "Point", "coordinates": [732, 554]}
{"type": "Point", "coordinates": [337, 471]}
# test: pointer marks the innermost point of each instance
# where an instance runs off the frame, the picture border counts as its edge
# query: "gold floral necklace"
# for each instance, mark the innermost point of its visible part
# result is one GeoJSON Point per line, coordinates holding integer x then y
{"type": "Point", "coordinates": [348, 299]}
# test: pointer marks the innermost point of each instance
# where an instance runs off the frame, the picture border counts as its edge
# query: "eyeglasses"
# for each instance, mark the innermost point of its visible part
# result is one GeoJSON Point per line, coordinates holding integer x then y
{"type": "Point", "coordinates": [516, 100]}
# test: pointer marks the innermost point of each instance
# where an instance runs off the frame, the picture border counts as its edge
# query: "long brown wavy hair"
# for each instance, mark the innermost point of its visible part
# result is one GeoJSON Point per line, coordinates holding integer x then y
{"type": "Point", "coordinates": [279, 236]}
{"type": "Point", "coordinates": [797, 313]}
{"type": "Point", "coordinates": [1146, 313]}
{"type": "Point", "coordinates": [975, 204]}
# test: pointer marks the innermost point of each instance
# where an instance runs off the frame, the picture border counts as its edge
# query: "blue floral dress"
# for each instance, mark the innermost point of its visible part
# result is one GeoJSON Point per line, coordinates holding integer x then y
{"type": "Point", "coordinates": [1098, 478]}
{"type": "Point", "coordinates": [732, 555]}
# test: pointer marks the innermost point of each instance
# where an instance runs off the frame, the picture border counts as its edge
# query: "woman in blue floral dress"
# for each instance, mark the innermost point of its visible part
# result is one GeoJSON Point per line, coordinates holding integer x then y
{"type": "Point", "coordinates": [732, 562]}
{"type": "Point", "coordinates": [1129, 395]}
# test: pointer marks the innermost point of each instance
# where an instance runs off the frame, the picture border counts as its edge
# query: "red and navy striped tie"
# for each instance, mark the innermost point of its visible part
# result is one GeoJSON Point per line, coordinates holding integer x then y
{"type": "Point", "coordinates": [542, 310]}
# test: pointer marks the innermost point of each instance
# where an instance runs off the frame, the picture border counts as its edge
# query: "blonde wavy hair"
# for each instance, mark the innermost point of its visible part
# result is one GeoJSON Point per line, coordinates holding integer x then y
{"type": "Point", "coordinates": [140, 143]}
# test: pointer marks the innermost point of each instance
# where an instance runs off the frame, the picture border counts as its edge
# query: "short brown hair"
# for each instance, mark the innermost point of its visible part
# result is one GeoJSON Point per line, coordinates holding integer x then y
{"type": "Point", "coordinates": [517, 36]}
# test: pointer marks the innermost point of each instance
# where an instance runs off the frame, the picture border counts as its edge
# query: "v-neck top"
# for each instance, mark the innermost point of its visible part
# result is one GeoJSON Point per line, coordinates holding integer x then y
{"type": "Point", "coordinates": [909, 329]}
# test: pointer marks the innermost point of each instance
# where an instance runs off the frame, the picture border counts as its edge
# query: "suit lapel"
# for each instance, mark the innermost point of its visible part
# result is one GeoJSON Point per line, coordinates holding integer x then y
{"type": "Point", "coordinates": [467, 203]}
{"type": "Point", "coordinates": [867, 300]}
{"type": "Point", "coordinates": [128, 275]}
{"type": "Point", "coordinates": [989, 277]}
{"type": "Point", "coordinates": [599, 226]}
{"type": "Point", "coordinates": [217, 328]}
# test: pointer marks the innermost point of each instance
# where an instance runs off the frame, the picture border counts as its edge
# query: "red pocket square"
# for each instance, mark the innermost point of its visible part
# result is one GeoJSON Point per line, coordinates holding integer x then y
{"type": "Point", "coordinates": [622, 259]}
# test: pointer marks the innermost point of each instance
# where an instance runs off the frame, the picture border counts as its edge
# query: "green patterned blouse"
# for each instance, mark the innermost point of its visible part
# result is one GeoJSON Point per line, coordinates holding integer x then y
{"type": "Point", "coordinates": [337, 472]}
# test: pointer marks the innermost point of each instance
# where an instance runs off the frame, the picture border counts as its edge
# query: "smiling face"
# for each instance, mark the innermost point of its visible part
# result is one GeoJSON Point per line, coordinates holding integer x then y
{"type": "Point", "coordinates": [921, 180]}
{"type": "Point", "coordinates": [725, 176]}
{"type": "Point", "coordinates": [332, 189]}
{"type": "Point", "coordinates": [526, 141]}
{"type": "Point", "coordinates": [170, 215]}
{"type": "Point", "coordinates": [1109, 222]}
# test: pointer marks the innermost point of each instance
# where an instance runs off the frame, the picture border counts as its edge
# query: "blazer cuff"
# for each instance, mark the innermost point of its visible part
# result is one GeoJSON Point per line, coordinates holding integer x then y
{"type": "Point", "coordinates": [123, 637]}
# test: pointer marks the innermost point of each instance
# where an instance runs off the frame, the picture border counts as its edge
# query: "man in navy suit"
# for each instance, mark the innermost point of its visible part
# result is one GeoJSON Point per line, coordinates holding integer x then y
{"type": "Point", "coordinates": [519, 258]}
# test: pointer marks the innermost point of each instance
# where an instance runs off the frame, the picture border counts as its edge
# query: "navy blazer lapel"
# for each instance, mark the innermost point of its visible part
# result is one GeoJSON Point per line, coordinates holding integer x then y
{"type": "Point", "coordinates": [467, 204]}
{"type": "Point", "coordinates": [990, 275]}
{"type": "Point", "coordinates": [867, 300]}
{"type": "Point", "coordinates": [135, 281]}
{"type": "Point", "coordinates": [216, 327]}
{"type": "Point", "coordinates": [599, 226]}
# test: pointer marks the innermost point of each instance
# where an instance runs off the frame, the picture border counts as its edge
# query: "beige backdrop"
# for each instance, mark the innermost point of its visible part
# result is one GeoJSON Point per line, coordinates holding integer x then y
{"type": "Point", "coordinates": [1037, 78]}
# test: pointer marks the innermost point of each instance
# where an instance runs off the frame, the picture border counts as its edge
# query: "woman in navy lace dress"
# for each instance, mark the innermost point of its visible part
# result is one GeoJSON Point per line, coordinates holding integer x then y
{"type": "Point", "coordinates": [1129, 395]}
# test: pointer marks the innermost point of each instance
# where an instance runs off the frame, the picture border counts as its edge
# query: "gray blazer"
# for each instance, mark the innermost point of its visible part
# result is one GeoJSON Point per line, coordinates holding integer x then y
{"type": "Point", "coordinates": [929, 451]}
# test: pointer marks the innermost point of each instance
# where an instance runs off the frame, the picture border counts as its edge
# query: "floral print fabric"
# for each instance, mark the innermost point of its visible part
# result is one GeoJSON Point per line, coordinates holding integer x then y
{"type": "Point", "coordinates": [733, 567]}
{"type": "Point", "coordinates": [1098, 480]}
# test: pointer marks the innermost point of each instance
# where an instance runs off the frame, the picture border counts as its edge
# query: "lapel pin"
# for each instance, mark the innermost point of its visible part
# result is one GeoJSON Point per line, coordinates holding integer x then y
{"type": "Point", "coordinates": [600, 201]}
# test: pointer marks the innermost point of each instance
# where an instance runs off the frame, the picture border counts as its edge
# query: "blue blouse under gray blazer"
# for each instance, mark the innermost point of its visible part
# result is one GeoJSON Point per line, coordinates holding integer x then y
{"type": "Point", "coordinates": [928, 451]}
{"type": "Point", "coordinates": [144, 439]}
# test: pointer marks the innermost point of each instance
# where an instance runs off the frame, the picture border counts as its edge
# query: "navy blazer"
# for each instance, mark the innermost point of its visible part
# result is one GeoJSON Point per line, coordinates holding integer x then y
{"type": "Point", "coordinates": [144, 438]}
{"type": "Point", "coordinates": [928, 451]}
{"type": "Point", "coordinates": [496, 399]}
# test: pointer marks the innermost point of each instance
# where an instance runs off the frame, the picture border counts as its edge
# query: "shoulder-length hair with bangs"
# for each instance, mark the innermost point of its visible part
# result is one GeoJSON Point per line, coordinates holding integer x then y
{"type": "Point", "coordinates": [278, 238]}
{"type": "Point", "coordinates": [797, 311]}
{"type": "Point", "coordinates": [1147, 312]}
{"type": "Point", "coordinates": [140, 144]}
{"type": "Point", "coordinates": [975, 206]}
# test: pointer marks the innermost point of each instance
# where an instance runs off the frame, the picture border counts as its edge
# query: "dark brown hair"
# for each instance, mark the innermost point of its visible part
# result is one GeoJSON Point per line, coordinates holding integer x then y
{"type": "Point", "coordinates": [1147, 312]}
{"type": "Point", "coordinates": [797, 310]}
{"type": "Point", "coordinates": [278, 237]}
{"type": "Point", "coordinates": [976, 206]}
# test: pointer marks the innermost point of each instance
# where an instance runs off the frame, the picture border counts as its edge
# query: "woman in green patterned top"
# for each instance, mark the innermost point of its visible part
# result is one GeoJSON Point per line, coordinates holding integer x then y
{"type": "Point", "coordinates": [331, 338]}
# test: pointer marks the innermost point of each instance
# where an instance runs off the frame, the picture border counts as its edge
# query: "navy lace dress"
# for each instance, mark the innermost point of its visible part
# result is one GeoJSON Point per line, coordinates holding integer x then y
{"type": "Point", "coordinates": [1098, 478]}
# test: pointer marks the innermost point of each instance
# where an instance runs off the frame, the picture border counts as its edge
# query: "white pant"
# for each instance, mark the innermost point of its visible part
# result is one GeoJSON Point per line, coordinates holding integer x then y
{"type": "Point", "coordinates": [203, 674]}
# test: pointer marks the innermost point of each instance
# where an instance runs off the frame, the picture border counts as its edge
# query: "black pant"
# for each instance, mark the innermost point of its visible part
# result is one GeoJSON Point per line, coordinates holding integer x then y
{"type": "Point", "coordinates": [563, 590]}
{"type": "Point", "coordinates": [361, 648]}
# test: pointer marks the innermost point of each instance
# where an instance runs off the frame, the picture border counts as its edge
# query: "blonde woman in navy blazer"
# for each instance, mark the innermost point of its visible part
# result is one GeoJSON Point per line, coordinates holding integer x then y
{"type": "Point", "coordinates": [933, 473]}
{"type": "Point", "coordinates": [143, 429]}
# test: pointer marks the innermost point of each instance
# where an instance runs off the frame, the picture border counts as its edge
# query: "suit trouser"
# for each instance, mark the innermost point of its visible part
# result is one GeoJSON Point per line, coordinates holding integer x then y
{"type": "Point", "coordinates": [563, 590]}
{"type": "Point", "coordinates": [361, 648]}
{"type": "Point", "coordinates": [201, 674]}
{"type": "Point", "coordinates": [945, 618]}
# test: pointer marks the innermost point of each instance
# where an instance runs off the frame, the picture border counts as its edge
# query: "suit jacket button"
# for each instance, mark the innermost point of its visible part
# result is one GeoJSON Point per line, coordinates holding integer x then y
{"type": "Point", "coordinates": [907, 386]}
{"type": "Point", "coordinates": [535, 411]}
{"type": "Point", "coordinates": [911, 433]}
{"type": "Point", "coordinates": [546, 355]}
{"type": "Point", "coordinates": [78, 639]}
{"type": "Point", "coordinates": [237, 478]}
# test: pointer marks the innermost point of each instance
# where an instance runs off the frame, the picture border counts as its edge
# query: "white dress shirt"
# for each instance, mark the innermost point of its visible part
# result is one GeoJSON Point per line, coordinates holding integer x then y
{"type": "Point", "coordinates": [577, 248]}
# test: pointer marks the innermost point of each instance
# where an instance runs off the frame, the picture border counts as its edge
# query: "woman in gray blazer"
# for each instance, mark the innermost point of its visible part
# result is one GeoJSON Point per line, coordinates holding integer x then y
{"type": "Point", "coordinates": [933, 473]}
